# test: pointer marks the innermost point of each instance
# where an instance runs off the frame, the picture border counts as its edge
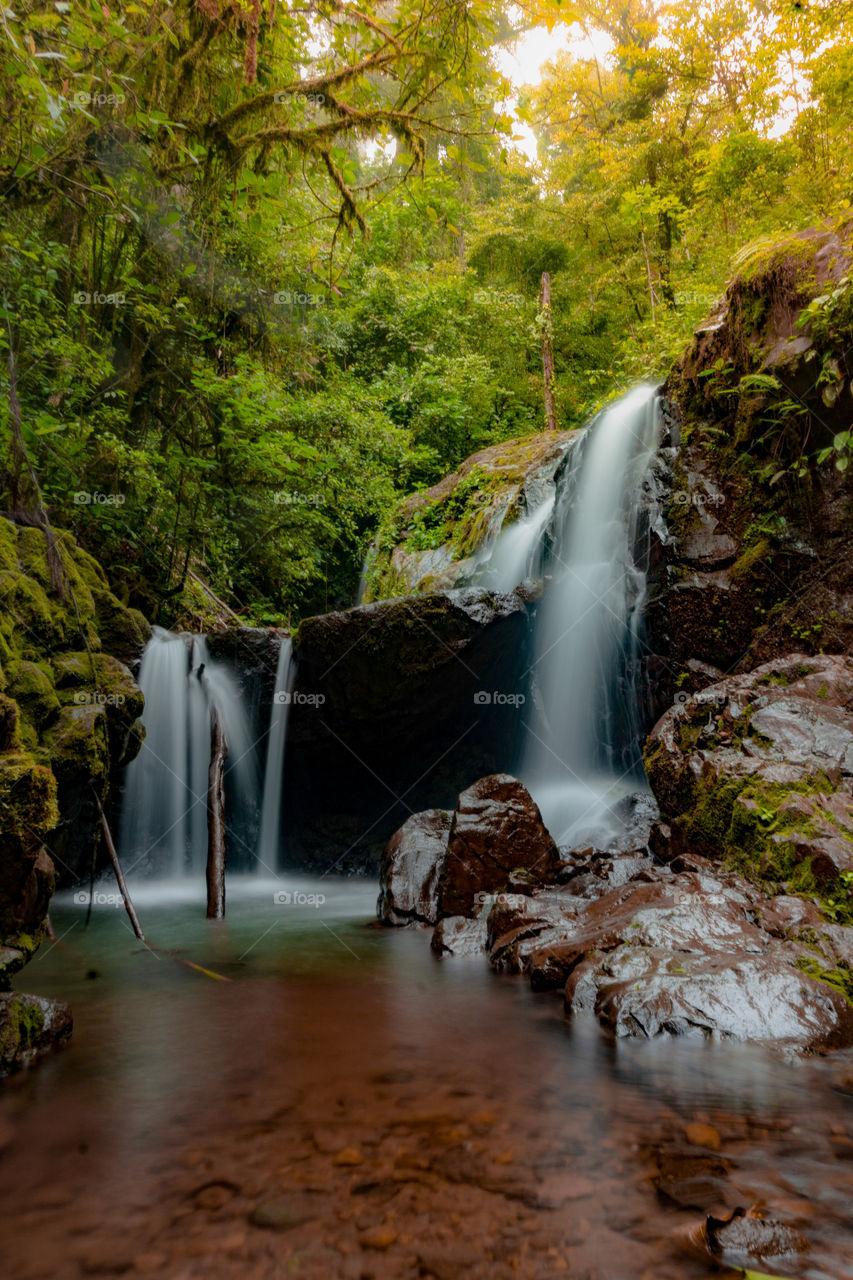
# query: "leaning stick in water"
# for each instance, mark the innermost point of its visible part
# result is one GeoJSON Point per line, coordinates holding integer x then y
{"type": "Point", "coordinates": [216, 817]}
{"type": "Point", "coordinates": [119, 874]}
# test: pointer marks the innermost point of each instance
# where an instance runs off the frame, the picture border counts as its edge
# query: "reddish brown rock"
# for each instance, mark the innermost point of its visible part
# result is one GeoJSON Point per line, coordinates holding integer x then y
{"type": "Point", "coordinates": [497, 829]}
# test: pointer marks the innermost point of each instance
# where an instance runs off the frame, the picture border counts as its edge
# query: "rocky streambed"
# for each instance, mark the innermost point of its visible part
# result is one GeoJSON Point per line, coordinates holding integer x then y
{"type": "Point", "coordinates": [728, 919]}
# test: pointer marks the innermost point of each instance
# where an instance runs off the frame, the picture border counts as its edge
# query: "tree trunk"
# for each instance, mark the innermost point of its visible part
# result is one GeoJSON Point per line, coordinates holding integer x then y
{"type": "Point", "coordinates": [547, 353]}
{"type": "Point", "coordinates": [216, 818]}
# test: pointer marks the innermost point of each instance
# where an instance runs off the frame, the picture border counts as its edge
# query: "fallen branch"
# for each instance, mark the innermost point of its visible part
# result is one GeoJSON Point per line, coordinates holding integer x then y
{"type": "Point", "coordinates": [119, 874]}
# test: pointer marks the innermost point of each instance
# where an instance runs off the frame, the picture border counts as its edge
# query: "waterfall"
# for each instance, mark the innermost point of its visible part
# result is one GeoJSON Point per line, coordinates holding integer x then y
{"type": "Point", "coordinates": [163, 824]}
{"type": "Point", "coordinates": [268, 840]}
{"type": "Point", "coordinates": [581, 757]}
{"type": "Point", "coordinates": [517, 553]}
{"type": "Point", "coordinates": [153, 828]}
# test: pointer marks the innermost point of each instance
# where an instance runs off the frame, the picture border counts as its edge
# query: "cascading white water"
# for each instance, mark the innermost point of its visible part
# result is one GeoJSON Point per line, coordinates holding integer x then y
{"type": "Point", "coordinates": [163, 826]}
{"type": "Point", "coordinates": [153, 828]}
{"type": "Point", "coordinates": [270, 832]}
{"type": "Point", "coordinates": [579, 757]}
{"type": "Point", "coordinates": [517, 553]}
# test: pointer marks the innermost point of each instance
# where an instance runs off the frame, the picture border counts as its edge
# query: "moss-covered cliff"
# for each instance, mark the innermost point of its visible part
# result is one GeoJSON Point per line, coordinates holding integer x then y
{"type": "Point", "coordinates": [68, 722]}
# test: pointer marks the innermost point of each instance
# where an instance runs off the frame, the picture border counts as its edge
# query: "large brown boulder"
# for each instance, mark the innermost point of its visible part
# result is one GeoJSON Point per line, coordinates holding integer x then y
{"type": "Point", "coordinates": [497, 829]}
{"type": "Point", "coordinates": [690, 953]}
{"type": "Point", "coordinates": [440, 865]}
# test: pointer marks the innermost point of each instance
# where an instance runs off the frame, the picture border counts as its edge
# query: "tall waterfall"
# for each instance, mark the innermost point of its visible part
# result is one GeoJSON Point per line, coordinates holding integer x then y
{"type": "Point", "coordinates": [163, 827]}
{"type": "Point", "coordinates": [268, 840]}
{"type": "Point", "coordinates": [580, 756]}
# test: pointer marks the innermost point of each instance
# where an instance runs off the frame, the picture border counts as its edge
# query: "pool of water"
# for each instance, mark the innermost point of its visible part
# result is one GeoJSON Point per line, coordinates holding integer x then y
{"type": "Point", "coordinates": [330, 1099]}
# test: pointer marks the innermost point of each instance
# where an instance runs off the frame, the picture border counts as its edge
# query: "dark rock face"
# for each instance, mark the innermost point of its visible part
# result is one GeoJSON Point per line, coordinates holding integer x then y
{"type": "Point", "coordinates": [758, 769]}
{"type": "Point", "coordinates": [252, 656]}
{"type": "Point", "coordinates": [30, 1027]}
{"type": "Point", "coordinates": [396, 705]}
{"type": "Point", "coordinates": [747, 562]}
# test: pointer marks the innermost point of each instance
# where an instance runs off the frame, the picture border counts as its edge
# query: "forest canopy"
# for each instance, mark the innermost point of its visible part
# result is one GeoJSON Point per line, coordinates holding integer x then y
{"type": "Point", "coordinates": [265, 268]}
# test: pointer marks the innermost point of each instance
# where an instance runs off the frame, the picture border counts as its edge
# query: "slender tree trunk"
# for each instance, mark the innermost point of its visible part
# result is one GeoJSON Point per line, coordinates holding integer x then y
{"type": "Point", "coordinates": [119, 874]}
{"type": "Point", "coordinates": [547, 353]}
{"type": "Point", "coordinates": [216, 818]}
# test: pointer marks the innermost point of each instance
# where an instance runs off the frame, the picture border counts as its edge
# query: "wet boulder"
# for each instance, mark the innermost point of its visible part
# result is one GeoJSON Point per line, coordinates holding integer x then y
{"type": "Point", "coordinates": [649, 991]}
{"type": "Point", "coordinates": [458, 936]}
{"type": "Point", "coordinates": [497, 829]}
{"type": "Point", "coordinates": [757, 770]}
{"type": "Point", "coordinates": [441, 864]}
{"type": "Point", "coordinates": [410, 869]}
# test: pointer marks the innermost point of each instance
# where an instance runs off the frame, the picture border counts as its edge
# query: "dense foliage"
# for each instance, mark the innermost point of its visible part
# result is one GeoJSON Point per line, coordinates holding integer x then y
{"type": "Point", "coordinates": [264, 268]}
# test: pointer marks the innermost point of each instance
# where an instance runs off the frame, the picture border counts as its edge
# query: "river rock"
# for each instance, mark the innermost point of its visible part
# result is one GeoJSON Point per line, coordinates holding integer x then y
{"type": "Point", "coordinates": [396, 707]}
{"type": "Point", "coordinates": [497, 829]}
{"type": "Point", "coordinates": [411, 865]}
{"type": "Point", "coordinates": [758, 769]}
{"type": "Point", "coordinates": [440, 864]}
{"type": "Point", "coordinates": [649, 991]}
{"type": "Point", "coordinates": [459, 936]}
{"type": "Point", "coordinates": [30, 1027]}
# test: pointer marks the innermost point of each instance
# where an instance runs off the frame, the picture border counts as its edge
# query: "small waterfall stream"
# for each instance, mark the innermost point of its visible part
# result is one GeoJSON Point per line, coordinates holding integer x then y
{"type": "Point", "coordinates": [580, 758]}
{"type": "Point", "coordinates": [163, 825]}
{"type": "Point", "coordinates": [270, 832]}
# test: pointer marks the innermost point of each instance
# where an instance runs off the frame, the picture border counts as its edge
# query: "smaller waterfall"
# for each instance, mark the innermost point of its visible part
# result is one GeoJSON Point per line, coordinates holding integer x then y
{"type": "Point", "coordinates": [163, 825]}
{"type": "Point", "coordinates": [158, 797]}
{"type": "Point", "coordinates": [270, 833]}
{"type": "Point", "coordinates": [517, 553]}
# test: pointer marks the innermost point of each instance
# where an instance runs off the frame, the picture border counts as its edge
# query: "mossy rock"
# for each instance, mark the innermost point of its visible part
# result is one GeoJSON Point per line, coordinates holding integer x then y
{"type": "Point", "coordinates": [78, 745]}
{"type": "Point", "coordinates": [30, 1027]}
{"type": "Point", "coordinates": [429, 541]}
{"type": "Point", "coordinates": [28, 807]}
{"type": "Point", "coordinates": [123, 632]}
{"type": "Point", "coordinates": [35, 694]}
